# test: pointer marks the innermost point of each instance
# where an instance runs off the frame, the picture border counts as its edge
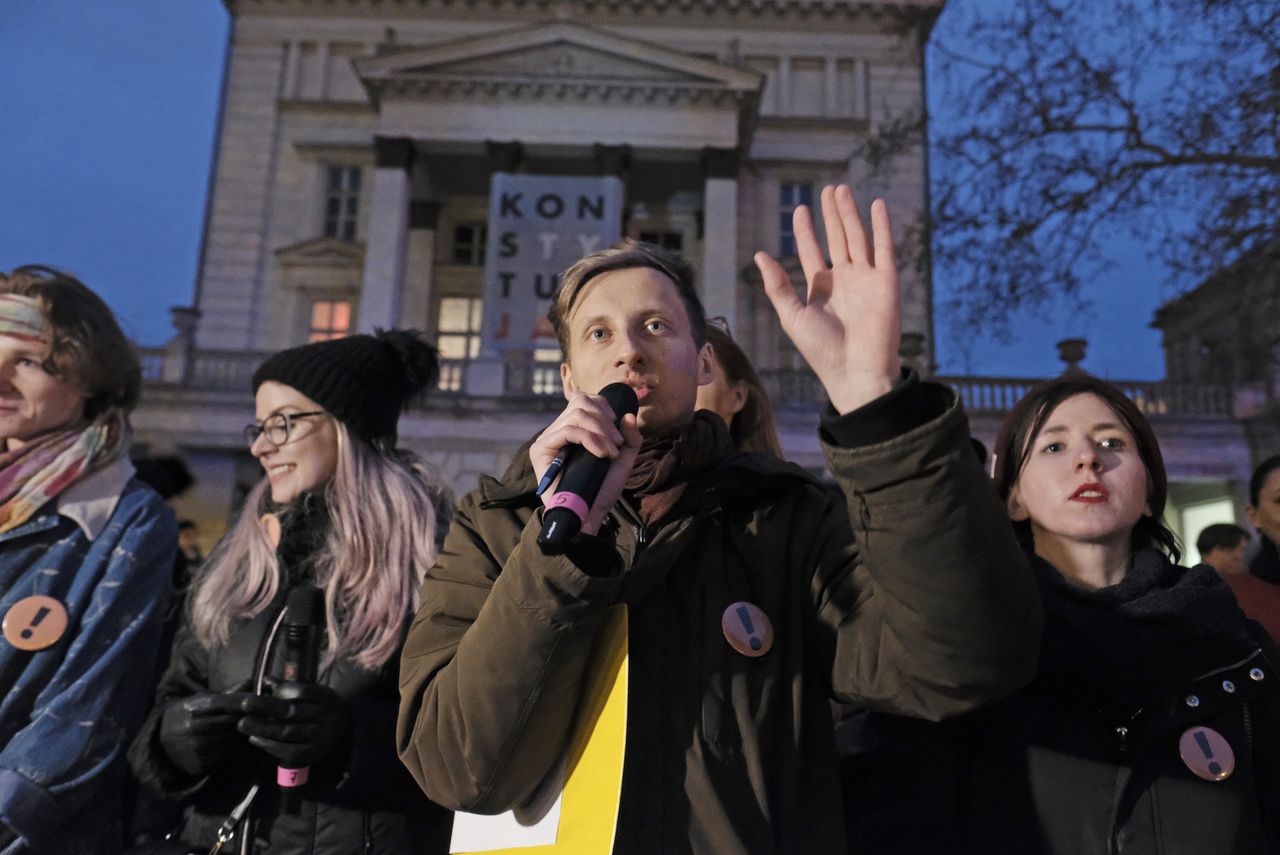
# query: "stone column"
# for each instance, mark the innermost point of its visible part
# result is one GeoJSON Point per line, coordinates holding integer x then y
{"type": "Point", "coordinates": [415, 303]}
{"type": "Point", "coordinates": [720, 234]}
{"type": "Point", "coordinates": [382, 285]}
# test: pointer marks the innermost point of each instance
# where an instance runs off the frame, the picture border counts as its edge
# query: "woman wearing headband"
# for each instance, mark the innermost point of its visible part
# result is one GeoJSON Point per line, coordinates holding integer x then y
{"type": "Point", "coordinates": [345, 516]}
{"type": "Point", "coordinates": [86, 552]}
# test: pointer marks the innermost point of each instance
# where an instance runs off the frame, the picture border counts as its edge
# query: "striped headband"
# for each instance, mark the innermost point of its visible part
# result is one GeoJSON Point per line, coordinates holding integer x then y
{"type": "Point", "coordinates": [21, 317]}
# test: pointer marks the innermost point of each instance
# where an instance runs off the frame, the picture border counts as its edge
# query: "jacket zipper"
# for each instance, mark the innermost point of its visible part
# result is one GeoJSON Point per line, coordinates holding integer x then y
{"type": "Point", "coordinates": [638, 528]}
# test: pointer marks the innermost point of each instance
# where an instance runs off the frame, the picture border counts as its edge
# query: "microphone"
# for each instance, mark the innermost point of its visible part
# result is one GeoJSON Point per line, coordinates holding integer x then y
{"type": "Point", "coordinates": [303, 631]}
{"type": "Point", "coordinates": [583, 475]}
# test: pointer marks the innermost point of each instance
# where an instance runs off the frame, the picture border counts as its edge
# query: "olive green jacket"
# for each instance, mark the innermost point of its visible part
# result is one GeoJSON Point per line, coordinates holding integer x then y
{"type": "Point", "coordinates": [912, 597]}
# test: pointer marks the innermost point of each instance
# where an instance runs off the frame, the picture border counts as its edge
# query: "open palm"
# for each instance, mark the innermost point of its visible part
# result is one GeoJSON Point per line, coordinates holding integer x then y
{"type": "Point", "coordinates": [849, 324]}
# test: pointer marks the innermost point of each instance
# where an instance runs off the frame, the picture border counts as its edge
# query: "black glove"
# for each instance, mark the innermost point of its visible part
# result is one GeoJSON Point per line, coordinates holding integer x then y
{"type": "Point", "coordinates": [197, 731]}
{"type": "Point", "coordinates": [300, 724]}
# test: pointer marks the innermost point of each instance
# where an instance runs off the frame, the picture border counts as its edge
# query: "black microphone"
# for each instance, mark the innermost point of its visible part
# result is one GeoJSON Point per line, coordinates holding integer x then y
{"type": "Point", "coordinates": [583, 475]}
{"type": "Point", "coordinates": [303, 632]}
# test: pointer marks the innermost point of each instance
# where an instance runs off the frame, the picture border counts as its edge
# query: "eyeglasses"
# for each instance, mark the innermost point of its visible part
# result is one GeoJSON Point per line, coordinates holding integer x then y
{"type": "Point", "coordinates": [277, 428]}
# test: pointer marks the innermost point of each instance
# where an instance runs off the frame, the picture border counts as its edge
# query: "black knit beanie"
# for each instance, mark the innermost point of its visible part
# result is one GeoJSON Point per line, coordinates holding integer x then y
{"type": "Point", "coordinates": [365, 381]}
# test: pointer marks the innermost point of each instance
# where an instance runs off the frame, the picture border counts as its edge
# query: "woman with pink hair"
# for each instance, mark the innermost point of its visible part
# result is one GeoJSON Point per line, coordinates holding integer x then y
{"type": "Point", "coordinates": [337, 537]}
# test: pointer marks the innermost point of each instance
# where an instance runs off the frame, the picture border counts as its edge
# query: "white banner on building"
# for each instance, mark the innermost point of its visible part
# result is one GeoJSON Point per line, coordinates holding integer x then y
{"type": "Point", "coordinates": [538, 226]}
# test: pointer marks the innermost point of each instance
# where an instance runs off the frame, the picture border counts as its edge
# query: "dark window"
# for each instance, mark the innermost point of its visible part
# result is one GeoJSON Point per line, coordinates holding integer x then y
{"type": "Point", "coordinates": [790, 196]}
{"type": "Point", "coordinates": [468, 243]}
{"type": "Point", "coordinates": [342, 202]}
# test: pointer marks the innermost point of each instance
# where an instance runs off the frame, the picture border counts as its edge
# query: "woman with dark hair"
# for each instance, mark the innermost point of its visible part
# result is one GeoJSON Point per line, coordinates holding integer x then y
{"type": "Point", "coordinates": [346, 518]}
{"type": "Point", "coordinates": [1153, 723]}
{"type": "Point", "coordinates": [737, 396]}
{"type": "Point", "coordinates": [86, 551]}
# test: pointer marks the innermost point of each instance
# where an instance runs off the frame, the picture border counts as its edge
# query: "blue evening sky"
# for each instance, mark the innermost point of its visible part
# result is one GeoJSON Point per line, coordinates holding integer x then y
{"type": "Point", "coordinates": [109, 108]}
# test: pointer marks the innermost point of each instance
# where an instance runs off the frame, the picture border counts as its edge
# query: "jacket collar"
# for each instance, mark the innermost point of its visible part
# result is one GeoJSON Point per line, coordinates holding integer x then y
{"type": "Point", "coordinates": [90, 501]}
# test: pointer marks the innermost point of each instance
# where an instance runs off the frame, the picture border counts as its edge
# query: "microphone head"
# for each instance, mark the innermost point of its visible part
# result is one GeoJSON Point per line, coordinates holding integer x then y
{"type": "Point", "coordinates": [622, 398]}
{"type": "Point", "coordinates": [305, 606]}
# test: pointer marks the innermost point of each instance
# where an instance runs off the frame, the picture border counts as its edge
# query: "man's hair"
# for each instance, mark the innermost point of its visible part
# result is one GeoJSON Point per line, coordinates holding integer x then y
{"type": "Point", "coordinates": [1220, 536]}
{"type": "Point", "coordinates": [88, 347]}
{"type": "Point", "coordinates": [625, 255]}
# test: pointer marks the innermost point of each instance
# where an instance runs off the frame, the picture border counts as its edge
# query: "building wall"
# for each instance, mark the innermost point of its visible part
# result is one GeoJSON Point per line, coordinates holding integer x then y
{"type": "Point", "coordinates": [294, 105]}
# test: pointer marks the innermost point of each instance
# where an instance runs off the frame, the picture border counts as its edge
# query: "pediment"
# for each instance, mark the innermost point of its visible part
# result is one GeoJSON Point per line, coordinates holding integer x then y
{"type": "Point", "coordinates": [556, 53]}
{"type": "Point", "coordinates": [322, 252]}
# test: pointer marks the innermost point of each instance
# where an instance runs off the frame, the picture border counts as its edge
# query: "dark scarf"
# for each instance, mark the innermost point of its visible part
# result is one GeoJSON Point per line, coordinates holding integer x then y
{"type": "Point", "coordinates": [1266, 564]}
{"type": "Point", "coordinates": [304, 527]}
{"type": "Point", "coordinates": [667, 464]}
{"type": "Point", "coordinates": [1134, 643]}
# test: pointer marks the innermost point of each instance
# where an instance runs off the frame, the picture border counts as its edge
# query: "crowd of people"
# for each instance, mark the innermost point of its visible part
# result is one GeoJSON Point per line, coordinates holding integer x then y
{"type": "Point", "coordinates": [917, 656]}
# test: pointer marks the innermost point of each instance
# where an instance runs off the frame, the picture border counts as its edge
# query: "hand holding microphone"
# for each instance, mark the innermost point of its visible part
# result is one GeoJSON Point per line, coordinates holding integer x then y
{"type": "Point", "coordinates": [299, 725]}
{"type": "Point", "coordinates": [302, 721]}
{"type": "Point", "coordinates": [598, 437]}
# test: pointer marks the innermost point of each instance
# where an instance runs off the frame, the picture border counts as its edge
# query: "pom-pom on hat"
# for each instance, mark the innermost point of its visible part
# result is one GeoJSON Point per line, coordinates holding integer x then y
{"type": "Point", "coordinates": [365, 381]}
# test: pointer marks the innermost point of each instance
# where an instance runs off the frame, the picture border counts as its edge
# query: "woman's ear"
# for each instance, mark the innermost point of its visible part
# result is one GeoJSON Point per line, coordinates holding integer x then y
{"type": "Point", "coordinates": [740, 394]}
{"type": "Point", "coordinates": [1013, 504]}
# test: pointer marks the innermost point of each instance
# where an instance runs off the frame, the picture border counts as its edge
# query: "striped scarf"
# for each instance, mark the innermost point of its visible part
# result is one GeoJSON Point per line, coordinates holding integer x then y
{"type": "Point", "coordinates": [42, 468]}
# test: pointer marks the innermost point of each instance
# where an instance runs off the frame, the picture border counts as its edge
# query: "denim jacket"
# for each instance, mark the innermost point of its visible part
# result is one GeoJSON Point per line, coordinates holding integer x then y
{"type": "Point", "coordinates": [104, 549]}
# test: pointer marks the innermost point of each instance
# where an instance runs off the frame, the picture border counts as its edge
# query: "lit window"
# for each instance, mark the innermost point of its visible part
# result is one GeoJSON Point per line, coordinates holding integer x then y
{"type": "Point", "coordinates": [458, 337]}
{"type": "Point", "coordinates": [468, 243]}
{"type": "Point", "coordinates": [673, 241]}
{"type": "Point", "coordinates": [342, 202]}
{"type": "Point", "coordinates": [790, 196]}
{"type": "Point", "coordinates": [546, 371]}
{"type": "Point", "coordinates": [330, 319]}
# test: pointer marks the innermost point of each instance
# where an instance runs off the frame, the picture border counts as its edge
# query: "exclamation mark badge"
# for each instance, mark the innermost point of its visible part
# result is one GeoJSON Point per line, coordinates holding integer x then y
{"type": "Point", "coordinates": [1207, 753]}
{"type": "Point", "coordinates": [34, 623]}
{"type": "Point", "coordinates": [747, 629]}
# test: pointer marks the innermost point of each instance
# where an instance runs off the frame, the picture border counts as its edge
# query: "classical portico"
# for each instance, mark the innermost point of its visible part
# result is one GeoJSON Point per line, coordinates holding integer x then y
{"type": "Point", "coordinates": [560, 99]}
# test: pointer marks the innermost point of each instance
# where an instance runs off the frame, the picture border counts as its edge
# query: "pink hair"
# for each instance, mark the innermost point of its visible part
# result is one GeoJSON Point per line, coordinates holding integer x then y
{"type": "Point", "coordinates": [381, 541]}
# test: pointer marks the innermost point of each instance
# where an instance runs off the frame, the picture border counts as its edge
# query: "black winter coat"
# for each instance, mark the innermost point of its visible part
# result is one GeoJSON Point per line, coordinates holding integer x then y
{"type": "Point", "coordinates": [1049, 771]}
{"type": "Point", "coordinates": [366, 802]}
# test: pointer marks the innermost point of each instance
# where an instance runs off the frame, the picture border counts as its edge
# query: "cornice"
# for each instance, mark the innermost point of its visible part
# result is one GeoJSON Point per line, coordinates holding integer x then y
{"type": "Point", "coordinates": [558, 61]}
{"type": "Point", "coordinates": [322, 252]}
{"type": "Point", "coordinates": [898, 10]}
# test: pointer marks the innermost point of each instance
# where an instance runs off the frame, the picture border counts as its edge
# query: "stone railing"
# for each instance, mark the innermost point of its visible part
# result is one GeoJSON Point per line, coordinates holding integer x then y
{"type": "Point", "coordinates": [799, 388]}
{"type": "Point", "coordinates": [231, 371]}
{"type": "Point", "coordinates": [206, 370]}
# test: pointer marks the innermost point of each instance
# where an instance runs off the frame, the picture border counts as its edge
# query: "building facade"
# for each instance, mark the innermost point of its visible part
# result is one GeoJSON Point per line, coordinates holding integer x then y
{"type": "Point", "coordinates": [356, 151]}
{"type": "Point", "coordinates": [358, 144]}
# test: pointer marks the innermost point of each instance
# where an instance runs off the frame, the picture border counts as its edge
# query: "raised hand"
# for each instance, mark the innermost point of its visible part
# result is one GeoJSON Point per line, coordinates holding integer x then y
{"type": "Point", "coordinates": [849, 324]}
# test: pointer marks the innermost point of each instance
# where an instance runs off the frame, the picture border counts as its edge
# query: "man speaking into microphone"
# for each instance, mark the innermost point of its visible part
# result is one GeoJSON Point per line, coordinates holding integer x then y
{"type": "Point", "coordinates": [755, 593]}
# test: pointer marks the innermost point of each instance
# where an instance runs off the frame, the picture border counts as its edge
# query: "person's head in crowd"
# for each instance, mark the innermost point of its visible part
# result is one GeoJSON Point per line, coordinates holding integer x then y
{"type": "Point", "coordinates": [325, 433]}
{"type": "Point", "coordinates": [1221, 546]}
{"type": "Point", "coordinates": [736, 394]}
{"type": "Point", "coordinates": [1264, 499]}
{"type": "Point", "coordinates": [167, 475]}
{"type": "Point", "coordinates": [631, 314]}
{"type": "Point", "coordinates": [188, 538]}
{"type": "Point", "coordinates": [65, 361]}
{"type": "Point", "coordinates": [1079, 466]}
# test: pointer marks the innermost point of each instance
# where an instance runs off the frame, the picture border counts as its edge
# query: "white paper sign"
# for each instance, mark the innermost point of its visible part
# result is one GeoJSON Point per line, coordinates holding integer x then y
{"type": "Point", "coordinates": [534, 825]}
